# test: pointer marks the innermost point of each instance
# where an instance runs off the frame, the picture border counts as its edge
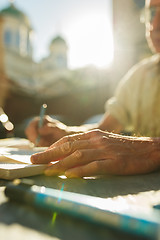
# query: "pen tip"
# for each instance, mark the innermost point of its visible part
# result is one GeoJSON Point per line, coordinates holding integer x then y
{"type": "Point", "coordinates": [44, 105]}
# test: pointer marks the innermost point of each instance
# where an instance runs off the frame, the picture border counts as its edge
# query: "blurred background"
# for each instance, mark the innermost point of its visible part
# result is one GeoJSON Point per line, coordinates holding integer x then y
{"type": "Point", "coordinates": [70, 54]}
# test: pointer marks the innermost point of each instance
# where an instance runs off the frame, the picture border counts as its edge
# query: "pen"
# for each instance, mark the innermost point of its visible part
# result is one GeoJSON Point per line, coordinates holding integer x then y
{"type": "Point", "coordinates": [40, 123]}
{"type": "Point", "coordinates": [106, 212]}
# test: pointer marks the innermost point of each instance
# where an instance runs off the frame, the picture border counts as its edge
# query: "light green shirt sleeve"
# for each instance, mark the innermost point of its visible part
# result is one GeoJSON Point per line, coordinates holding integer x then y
{"type": "Point", "coordinates": [121, 104]}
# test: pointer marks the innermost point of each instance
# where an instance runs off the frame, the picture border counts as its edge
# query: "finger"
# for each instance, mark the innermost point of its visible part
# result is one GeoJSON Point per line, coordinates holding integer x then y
{"type": "Point", "coordinates": [42, 157]}
{"type": "Point", "coordinates": [56, 153]}
{"type": "Point", "coordinates": [78, 158]}
{"type": "Point", "coordinates": [71, 138]}
{"type": "Point", "coordinates": [32, 131]}
{"type": "Point", "coordinates": [99, 167]}
{"type": "Point", "coordinates": [94, 134]}
{"type": "Point", "coordinates": [63, 148]}
{"type": "Point", "coordinates": [67, 146]}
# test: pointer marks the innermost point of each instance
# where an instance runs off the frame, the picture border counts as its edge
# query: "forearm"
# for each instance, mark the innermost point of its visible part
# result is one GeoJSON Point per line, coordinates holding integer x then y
{"type": "Point", "coordinates": [107, 123]}
{"type": "Point", "coordinates": [110, 123]}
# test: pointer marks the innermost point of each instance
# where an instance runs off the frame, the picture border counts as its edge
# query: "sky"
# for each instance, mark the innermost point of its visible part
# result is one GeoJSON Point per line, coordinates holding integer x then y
{"type": "Point", "coordinates": [86, 26]}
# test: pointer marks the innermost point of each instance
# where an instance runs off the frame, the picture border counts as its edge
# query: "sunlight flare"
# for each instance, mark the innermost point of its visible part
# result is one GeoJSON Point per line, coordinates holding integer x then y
{"type": "Point", "coordinates": [90, 41]}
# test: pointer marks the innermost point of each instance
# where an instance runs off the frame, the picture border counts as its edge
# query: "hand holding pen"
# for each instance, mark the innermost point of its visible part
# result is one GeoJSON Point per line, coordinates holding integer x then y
{"type": "Point", "coordinates": [41, 120]}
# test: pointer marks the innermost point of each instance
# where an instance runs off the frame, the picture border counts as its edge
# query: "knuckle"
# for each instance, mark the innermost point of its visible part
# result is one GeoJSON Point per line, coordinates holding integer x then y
{"type": "Point", "coordinates": [96, 166]}
{"type": "Point", "coordinates": [67, 147]}
{"type": "Point", "coordinates": [64, 139]}
{"type": "Point", "coordinates": [96, 133]}
{"type": "Point", "coordinates": [102, 141]}
{"type": "Point", "coordinates": [77, 154]}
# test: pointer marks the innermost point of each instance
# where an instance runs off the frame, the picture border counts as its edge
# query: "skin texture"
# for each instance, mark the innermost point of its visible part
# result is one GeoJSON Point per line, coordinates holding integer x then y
{"type": "Point", "coordinates": [98, 152]}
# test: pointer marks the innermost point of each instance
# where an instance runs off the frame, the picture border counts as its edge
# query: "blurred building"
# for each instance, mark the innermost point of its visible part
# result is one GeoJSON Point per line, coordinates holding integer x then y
{"type": "Point", "coordinates": [27, 84]}
{"type": "Point", "coordinates": [24, 74]}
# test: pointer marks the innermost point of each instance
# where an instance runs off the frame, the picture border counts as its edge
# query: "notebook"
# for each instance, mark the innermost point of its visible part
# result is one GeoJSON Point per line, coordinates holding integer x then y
{"type": "Point", "coordinates": [15, 161]}
{"type": "Point", "coordinates": [16, 142]}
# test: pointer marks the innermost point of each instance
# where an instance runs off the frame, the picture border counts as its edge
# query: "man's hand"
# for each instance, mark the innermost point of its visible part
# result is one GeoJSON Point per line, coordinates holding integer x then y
{"type": "Point", "coordinates": [98, 153]}
{"type": "Point", "coordinates": [51, 131]}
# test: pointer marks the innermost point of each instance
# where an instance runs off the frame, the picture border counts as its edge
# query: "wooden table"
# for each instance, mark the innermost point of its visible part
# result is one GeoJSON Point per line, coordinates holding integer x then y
{"type": "Point", "coordinates": [21, 222]}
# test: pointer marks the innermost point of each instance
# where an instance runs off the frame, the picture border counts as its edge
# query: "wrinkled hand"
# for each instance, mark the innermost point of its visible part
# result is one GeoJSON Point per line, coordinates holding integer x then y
{"type": "Point", "coordinates": [51, 131]}
{"type": "Point", "coordinates": [98, 153]}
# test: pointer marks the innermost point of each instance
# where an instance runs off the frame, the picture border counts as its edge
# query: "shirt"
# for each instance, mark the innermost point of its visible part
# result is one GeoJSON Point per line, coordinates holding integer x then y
{"type": "Point", "coordinates": [136, 103]}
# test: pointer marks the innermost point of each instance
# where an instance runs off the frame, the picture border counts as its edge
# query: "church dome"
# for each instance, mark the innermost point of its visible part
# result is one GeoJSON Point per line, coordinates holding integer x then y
{"type": "Point", "coordinates": [58, 40]}
{"type": "Point", "coordinates": [58, 44]}
{"type": "Point", "coordinates": [58, 52]}
{"type": "Point", "coordinates": [14, 12]}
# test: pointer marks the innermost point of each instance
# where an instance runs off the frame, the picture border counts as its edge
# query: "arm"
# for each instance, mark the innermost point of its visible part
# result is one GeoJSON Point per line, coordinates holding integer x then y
{"type": "Point", "coordinates": [108, 122]}
{"type": "Point", "coordinates": [98, 153]}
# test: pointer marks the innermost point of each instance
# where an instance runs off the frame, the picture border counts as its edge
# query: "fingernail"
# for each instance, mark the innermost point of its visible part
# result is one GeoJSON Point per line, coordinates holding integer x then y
{"type": "Point", "coordinates": [33, 159]}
